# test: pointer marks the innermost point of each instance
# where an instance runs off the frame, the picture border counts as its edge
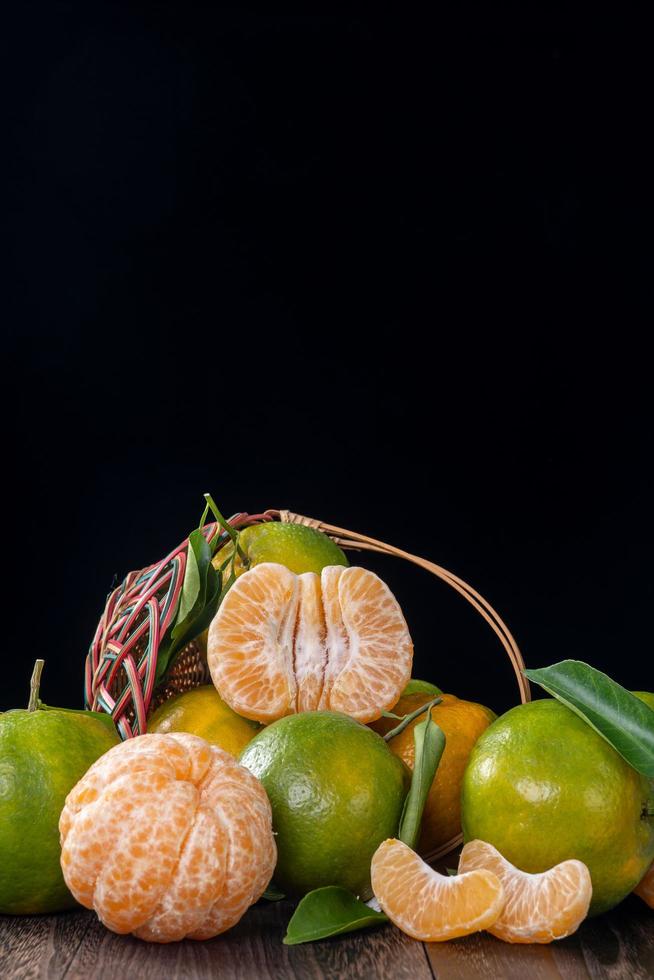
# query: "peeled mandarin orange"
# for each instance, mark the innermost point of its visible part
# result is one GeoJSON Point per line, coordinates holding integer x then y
{"type": "Point", "coordinates": [282, 643]}
{"type": "Point", "coordinates": [430, 906]}
{"type": "Point", "coordinates": [645, 889]}
{"type": "Point", "coordinates": [539, 907]}
{"type": "Point", "coordinates": [167, 837]}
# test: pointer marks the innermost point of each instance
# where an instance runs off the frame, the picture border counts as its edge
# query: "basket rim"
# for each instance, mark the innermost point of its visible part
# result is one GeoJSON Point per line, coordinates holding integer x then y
{"type": "Point", "coordinates": [136, 602]}
{"type": "Point", "coordinates": [352, 540]}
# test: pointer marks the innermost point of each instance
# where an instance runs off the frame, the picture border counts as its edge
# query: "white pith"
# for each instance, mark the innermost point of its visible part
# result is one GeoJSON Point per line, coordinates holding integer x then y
{"type": "Point", "coordinates": [338, 642]}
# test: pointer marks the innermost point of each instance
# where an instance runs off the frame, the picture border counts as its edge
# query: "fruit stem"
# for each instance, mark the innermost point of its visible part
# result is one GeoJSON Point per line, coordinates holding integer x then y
{"type": "Point", "coordinates": [35, 683]}
{"type": "Point", "coordinates": [409, 718]}
{"type": "Point", "coordinates": [226, 526]}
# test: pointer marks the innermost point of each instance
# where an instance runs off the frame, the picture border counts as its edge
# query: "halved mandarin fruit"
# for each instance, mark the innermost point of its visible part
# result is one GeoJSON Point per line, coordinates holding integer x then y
{"type": "Point", "coordinates": [539, 907]}
{"type": "Point", "coordinates": [282, 643]}
{"type": "Point", "coordinates": [427, 905]}
{"type": "Point", "coordinates": [645, 889]}
{"type": "Point", "coordinates": [167, 837]}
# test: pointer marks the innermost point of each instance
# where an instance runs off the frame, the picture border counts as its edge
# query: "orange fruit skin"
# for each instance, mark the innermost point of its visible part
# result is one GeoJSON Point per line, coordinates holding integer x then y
{"type": "Point", "coordinates": [645, 889]}
{"type": "Point", "coordinates": [539, 907]}
{"type": "Point", "coordinates": [201, 711]}
{"type": "Point", "coordinates": [462, 723]}
{"type": "Point", "coordinates": [427, 905]}
{"type": "Point", "coordinates": [167, 837]}
{"type": "Point", "coordinates": [283, 643]}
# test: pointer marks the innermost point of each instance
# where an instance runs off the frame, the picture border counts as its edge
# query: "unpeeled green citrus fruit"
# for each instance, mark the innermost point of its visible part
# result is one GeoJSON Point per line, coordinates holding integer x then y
{"type": "Point", "coordinates": [203, 712]}
{"type": "Point", "coordinates": [542, 787]}
{"type": "Point", "coordinates": [43, 753]}
{"type": "Point", "coordinates": [298, 547]}
{"type": "Point", "coordinates": [416, 686]}
{"type": "Point", "coordinates": [336, 792]}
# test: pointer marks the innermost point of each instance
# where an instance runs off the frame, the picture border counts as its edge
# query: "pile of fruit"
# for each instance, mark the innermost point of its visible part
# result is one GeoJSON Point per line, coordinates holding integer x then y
{"type": "Point", "coordinates": [314, 767]}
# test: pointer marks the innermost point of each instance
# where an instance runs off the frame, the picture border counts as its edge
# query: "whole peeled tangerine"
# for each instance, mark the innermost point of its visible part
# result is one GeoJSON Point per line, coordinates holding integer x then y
{"type": "Point", "coordinates": [167, 837]}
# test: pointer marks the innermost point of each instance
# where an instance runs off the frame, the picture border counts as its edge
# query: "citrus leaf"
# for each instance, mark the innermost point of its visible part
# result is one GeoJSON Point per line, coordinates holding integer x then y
{"type": "Point", "coordinates": [329, 911]}
{"type": "Point", "coordinates": [406, 720]}
{"type": "Point", "coordinates": [201, 618]}
{"type": "Point", "coordinates": [429, 742]}
{"type": "Point", "coordinates": [616, 714]}
{"type": "Point", "coordinates": [273, 893]}
{"type": "Point", "coordinates": [198, 602]}
{"type": "Point", "coordinates": [195, 580]}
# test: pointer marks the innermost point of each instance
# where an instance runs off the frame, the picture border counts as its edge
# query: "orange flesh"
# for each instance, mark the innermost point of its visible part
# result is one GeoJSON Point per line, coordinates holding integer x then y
{"type": "Point", "coordinates": [310, 644]}
{"type": "Point", "coordinates": [645, 889]}
{"type": "Point", "coordinates": [427, 905]}
{"type": "Point", "coordinates": [282, 643]}
{"type": "Point", "coordinates": [167, 837]}
{"type": "Point", "coordinates": [539, 907]}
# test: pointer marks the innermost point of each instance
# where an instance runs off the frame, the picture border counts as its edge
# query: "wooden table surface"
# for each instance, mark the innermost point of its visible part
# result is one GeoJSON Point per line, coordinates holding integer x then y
{"type": "Point", "coordinates": [75, 946]}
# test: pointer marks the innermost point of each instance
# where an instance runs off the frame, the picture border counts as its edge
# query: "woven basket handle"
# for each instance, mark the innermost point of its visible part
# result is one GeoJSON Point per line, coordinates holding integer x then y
{"type": "Point", "coordinates": [353, 541]}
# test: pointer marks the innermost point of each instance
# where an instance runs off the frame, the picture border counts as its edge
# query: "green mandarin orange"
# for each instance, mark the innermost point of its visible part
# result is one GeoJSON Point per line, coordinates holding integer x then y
{"type": "Point", "coordinates": [543, 787]}
{"type": "Point", "coordinates": [298, 547]}
{"type": "Point", "coordinates": [336, 792]}
{"type": "Point", "coordinates": [43, 753]}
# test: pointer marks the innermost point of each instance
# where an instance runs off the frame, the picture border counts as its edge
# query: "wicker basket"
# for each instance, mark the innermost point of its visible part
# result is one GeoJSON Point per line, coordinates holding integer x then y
{"type": "Point", "coordinates": [121, 666]}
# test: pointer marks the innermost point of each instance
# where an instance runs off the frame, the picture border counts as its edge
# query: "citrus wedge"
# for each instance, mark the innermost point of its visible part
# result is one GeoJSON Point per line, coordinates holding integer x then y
{"type": "Point", "coordinates": [645, 889]}
{"type": "Point", "coordinates": [539, 907]}
{"type": "Point", "coordinates": [427, 905]}
{"type": "Point", "coordinates": [282, 643]}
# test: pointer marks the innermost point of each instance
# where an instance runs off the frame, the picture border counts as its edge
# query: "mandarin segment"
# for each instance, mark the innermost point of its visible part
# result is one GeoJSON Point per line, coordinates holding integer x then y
{"type": "Point", "coordinates": [337, 641]}
{"type": "Point", "coordinates": [378, 666]}
{"type": "Point", "coordinates": [250, 644]}
{"type": "Point", "coordinates": [427, 905]}
{"type": "Point", "coordinates": [245, 818]}
{"type": "Point", "coordinates": [539, 907]}
{"type": "Point", "coordinates": [310, 643]}
{"type": "Point", "coordinates": [282, 643]}
{"type": "Point", "coordinates": [197, 885]}
{"type": "Point", "coordinates": [645, 889]}
{"type": "Point", "coordinates": [166, 837]}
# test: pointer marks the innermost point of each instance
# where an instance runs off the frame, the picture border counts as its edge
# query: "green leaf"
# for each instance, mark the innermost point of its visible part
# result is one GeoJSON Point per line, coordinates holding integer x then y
{"type": "Point", "coordinates": [199, 622]}
{"type": "Point", "coordinates": [429, 742]}
{"type": "Point", "coordinates": [616, 714]}
{"type": "Point", "coordinates": [195, 581]}
{"type": "Point", "coordinates": [273, 893]}
{"type": "Point", "coordinates": [198, 602]}
{"type": "Point", "coordinates": [329, 911]}
{"type": "Point", "coordinates": [407, 719]}
{"type": "Point", "coordinates": [225, 525]}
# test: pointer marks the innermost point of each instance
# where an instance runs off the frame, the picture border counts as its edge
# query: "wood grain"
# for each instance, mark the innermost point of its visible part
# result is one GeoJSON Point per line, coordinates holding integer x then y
{"type": "Point", "coordinates": [620, 945]}
{"type": "Point", "coordinates": [78, 947]}
{"type": "Point", "coordinates": [484, 956]}
{"type": "Point", "coordinates": [75, 946]}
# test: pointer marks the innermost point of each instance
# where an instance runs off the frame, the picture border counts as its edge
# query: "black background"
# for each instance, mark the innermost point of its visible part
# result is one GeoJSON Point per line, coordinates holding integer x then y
{"type": "Point", "coordinates": [389, 272]}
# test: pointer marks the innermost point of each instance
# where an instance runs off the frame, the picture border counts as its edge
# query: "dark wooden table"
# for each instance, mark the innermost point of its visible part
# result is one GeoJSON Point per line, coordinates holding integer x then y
{"type": "Point", "coordinates": [75, 945]}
